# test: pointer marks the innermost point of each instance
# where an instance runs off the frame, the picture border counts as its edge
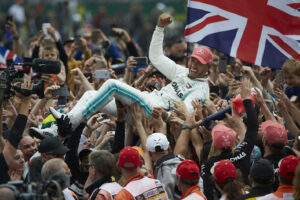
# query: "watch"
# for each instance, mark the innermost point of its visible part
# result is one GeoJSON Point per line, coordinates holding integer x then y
{"type": "Point", "coordinates": [186, 127]}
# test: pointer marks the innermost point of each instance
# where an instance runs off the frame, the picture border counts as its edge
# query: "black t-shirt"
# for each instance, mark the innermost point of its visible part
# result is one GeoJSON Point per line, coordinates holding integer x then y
{"type": "Point", "coordinates": [240, 157]}
{"type": "Point", "coordinates": [4, 177]}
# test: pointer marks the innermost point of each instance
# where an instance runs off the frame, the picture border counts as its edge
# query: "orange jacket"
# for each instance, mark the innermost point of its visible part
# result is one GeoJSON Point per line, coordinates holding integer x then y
{"type": "Point", "coordinates": [193, 193]}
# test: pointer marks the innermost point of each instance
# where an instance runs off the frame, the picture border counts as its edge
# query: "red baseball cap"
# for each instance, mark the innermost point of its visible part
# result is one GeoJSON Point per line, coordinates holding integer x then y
{"type": "Point", "coordinates": [188, 170]}
{"type": "Point", "coordinates": [222, 136]}
{"type": "Point", "coordinates": [129, 158]}
{"type": "Point", "coordinates": [287, 166]}
{"type": "Point", "coordinates": [223, 170]}
{"type": "Point", "coordinates": [274, 132]}
{"type": "Point", "coordinates": [203, 54]}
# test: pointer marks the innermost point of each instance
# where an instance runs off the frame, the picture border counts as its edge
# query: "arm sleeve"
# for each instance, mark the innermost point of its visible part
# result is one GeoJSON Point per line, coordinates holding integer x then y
{"type": "Point", "coordinates": [62, 55]}
{"type": "Point", "coordinates": [16, 132]}
{"type": "Point", "coordinates": [115, 53]}
{"type": "Point", "coordinates": [119, 138]}
{"type": "Point", "coordinates": [247, 145]}
{"type": "Point", "coordinates": [164, 64]}
{"type": "Point", "coordinates": [208, 185]}
{"type": "Point", "coordinates": [71, 156]}
{"type": "Point", "coordinates": [35, 52]}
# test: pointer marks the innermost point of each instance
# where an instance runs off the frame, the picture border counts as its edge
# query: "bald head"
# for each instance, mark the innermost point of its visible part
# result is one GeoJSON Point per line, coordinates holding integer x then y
{"type": "Point", "coordinates": [7, 194]}
{"type": "Point", "coordinates": [52, 167]}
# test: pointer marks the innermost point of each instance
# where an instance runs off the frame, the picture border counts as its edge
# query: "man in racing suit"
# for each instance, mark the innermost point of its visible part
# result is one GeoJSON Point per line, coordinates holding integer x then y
{"type": "Point", "coordinates": [187, 83]}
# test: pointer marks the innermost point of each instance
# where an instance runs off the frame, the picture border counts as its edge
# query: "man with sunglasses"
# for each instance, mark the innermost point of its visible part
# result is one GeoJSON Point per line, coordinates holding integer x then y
{"type": "Point", "coordinates": [49, 148]}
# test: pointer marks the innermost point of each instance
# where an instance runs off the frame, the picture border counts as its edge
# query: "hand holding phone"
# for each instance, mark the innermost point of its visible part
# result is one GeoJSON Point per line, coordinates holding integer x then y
{"type": "Point", "coordinates": [141, 60]}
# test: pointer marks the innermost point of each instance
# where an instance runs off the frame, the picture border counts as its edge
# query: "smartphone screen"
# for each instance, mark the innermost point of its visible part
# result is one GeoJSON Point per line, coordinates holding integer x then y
{"type": "Point", "coordinates": [141, 60]}
{"type": "Point", "coordinates": [102, 74]}
{"type": "Point", "coordinates": [45, 27]}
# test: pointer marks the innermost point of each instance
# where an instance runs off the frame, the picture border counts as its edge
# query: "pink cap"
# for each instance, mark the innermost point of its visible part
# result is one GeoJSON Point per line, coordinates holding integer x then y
{"type": "Point", "coordinates": [274, 132]}
{"type": "Point", "coordinates": [222, 136]}
{"type": "Point", "coordinates": [203, 54]}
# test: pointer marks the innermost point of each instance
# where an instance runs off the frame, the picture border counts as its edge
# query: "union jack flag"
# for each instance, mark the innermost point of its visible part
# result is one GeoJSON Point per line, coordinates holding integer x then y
{"type": "Point", "coordinates": [6, 54]}
{"type": "Point", "coordinates": [261, 32]}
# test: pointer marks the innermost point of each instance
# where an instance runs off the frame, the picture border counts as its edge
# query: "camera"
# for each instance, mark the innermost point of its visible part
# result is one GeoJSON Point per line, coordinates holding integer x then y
{"type": "Point", "coordinates": [39, 191]}
{"type": "Point", "coordinates": [15, 71]}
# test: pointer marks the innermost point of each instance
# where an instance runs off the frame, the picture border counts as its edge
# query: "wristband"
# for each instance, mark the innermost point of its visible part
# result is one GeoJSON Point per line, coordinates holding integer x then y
{"type": "Point", "coordinates": [186, 127]}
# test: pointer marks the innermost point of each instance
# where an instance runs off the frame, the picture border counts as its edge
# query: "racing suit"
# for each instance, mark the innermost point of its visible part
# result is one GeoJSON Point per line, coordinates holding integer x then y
{"type": "Point", "coordinates": [181, 87]}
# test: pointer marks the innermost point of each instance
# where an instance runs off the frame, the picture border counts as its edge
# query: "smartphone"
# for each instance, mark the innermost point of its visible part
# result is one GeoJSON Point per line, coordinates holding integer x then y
{"type": "Point", "coordinates": [62, 91]}
{"type": "Point", "coordinates": [102, 74]}
{"type": "Point", "coordinates": [223, 64]}
{"type": "Point", "coordinates": [9, 18]}
{"type": "Point", "coordinates": [45, 27]}
{"type": "Point", "coordinates": [105, 44]}
{"type": "Point", "coordinates": [89, 76]}
{"type": "Point", "coordinates": [95, 37]}
{"type": "Point", "coordinates": [141, 60]}
{"type": "Point", "coordinates": [115, 34]}
{"type": "Point", "coordinates": [238, 78]}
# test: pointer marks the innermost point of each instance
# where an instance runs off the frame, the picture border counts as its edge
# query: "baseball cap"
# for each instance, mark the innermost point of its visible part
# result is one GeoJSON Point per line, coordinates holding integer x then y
{"type": "Point", "coordinates": [262, 171]}
{"type": "Point", "coordinates": [203, 54]}
{"type": "Point", "coordinates": [287, 166]}
{"type": "Point", "coordinates": [223, 170]}
{"type": "Point", "coordinates": [85, 152]}
{"type": "Point", "coordinates": [274, 132]}
{"type": "Point", "coordinates": [222, 136]}
{"type": "Point", "coordinates": [52, 145]}
{"type": "Point", "coordinates": [129, 158]}
{"type": "Point", "coordinates": [157, 142]}
{"type": "Point", "coordinates": [70, 39]}
{"type": "Point", "coordinates": [188, 170]}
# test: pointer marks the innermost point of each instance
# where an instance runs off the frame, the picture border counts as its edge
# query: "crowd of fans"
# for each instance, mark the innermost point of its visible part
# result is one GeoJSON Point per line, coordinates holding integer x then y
{"type": "Point", "coordinates": [174, 128]}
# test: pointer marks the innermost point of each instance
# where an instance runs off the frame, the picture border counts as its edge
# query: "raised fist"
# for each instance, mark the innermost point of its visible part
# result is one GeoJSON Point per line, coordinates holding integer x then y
{"type": "Point", "coordinates": [164, 20]}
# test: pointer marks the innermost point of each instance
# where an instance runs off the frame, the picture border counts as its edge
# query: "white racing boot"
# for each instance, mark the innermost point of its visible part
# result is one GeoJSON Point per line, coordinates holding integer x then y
{"type": "Point", "coordinates": [43, 133]}
{"type": "Point", "coordinates": [75, 115]}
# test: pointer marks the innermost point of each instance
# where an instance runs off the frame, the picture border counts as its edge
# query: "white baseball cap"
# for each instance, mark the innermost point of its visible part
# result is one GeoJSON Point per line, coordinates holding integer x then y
{"type": "Point", "coordinates": [157, 142]}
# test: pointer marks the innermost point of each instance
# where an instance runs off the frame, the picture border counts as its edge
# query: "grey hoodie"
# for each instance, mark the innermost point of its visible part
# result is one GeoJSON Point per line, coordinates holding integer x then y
{"type": "Point", "coordinates": [165, 171]}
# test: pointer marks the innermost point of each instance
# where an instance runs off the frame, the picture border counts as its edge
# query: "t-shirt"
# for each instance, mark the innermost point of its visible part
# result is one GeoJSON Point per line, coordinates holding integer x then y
{"type": "Point", "coordinates": [4, 177]}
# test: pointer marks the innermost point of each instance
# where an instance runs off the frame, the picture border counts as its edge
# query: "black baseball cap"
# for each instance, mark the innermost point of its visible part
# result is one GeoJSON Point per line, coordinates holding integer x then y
{"type": "Point", "coordinates": [84, 152]}
{"type": "Point", "coordinates": [52, 145]}
{"type": "Point", "coordinates": [262, 171]}
{"type": "Point", "coordinates": [70, 39]}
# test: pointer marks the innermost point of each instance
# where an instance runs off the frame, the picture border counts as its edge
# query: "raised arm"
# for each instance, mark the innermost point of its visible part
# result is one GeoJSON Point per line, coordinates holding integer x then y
{"type": "Point", "coordinates": [165, 65]}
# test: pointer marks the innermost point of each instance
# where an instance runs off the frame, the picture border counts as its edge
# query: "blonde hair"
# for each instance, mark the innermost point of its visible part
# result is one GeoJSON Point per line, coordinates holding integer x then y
{"type": "Point", "coordinates": [49, 48]}
{"type": "Point", "coordinates": [291, 66]}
